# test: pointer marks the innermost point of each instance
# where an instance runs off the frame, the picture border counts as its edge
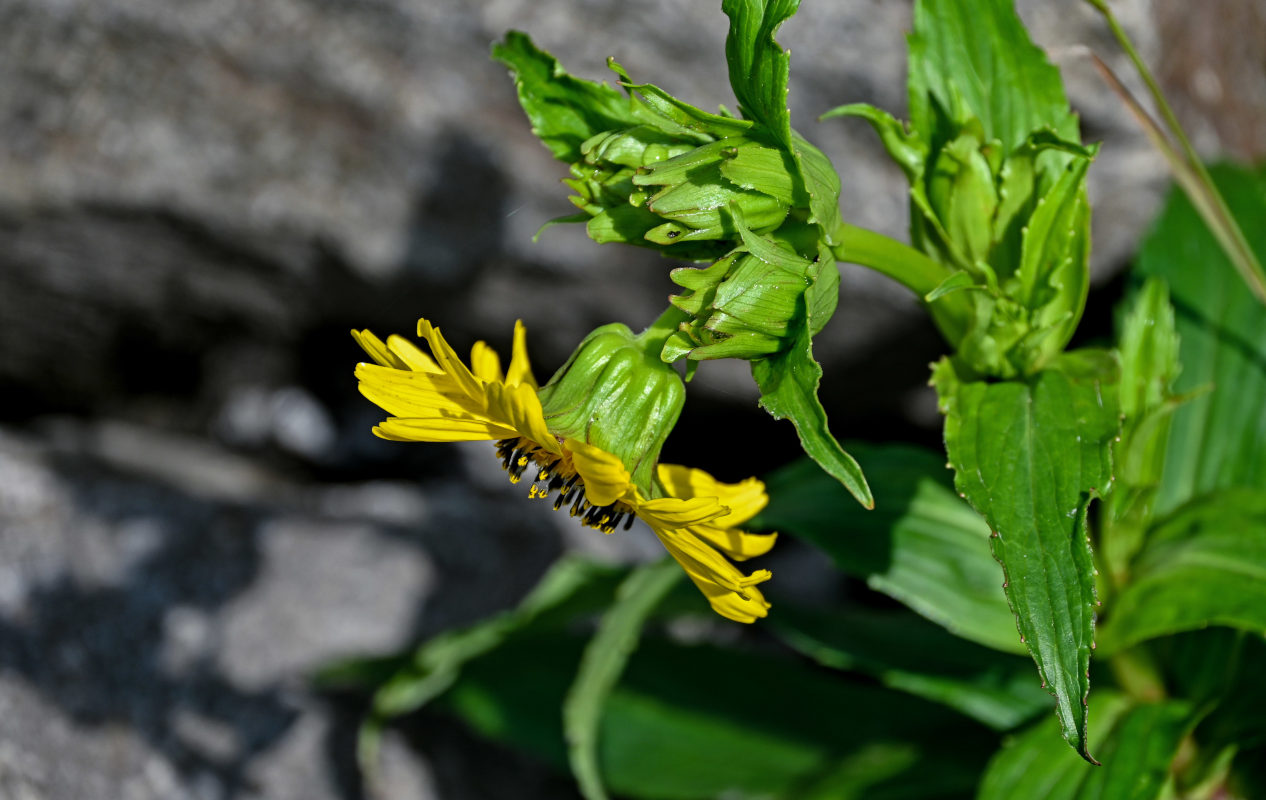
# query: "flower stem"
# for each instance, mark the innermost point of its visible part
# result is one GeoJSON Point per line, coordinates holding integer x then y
{"type": "Point", "coordinates": [1189, 171]}
{"type": "Point", "coordinates": [907, 266]}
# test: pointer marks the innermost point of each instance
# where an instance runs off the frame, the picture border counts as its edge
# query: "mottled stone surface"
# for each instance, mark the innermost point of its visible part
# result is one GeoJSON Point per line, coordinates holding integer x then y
{"type": "Point", "coordinates": [199, 197]}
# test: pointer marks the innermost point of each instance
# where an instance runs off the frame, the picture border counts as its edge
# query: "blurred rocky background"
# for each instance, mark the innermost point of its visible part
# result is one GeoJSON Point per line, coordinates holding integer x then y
{"type": "Point", "coordinates": [198, 198]}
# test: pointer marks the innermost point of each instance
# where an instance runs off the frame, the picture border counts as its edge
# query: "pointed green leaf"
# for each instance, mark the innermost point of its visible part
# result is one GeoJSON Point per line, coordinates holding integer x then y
{"type": "Point", "coordinates": [759, 67]}
{"type": "Point", "coordinates": [976, 60]}
{"type": "Point", "coordinates": [1218, 438]}
{"type": "Point", "coordinates": [955, 282]}
{"type": "Point", "coordinates": [1137, 743]}
{"type": "Point", "coordinates": [678, 116]}
{"type": "Point", "coordinates": [788, 385]}
{"type": "Point", "coordinates": [1203, 565]}
{"type": "Point", "coordinates": [604, 661]}
{"type": "Point", "coordinates": [921, 545]}
{"type": "Point", "coordinates": [1029, 457]}
{"type": "Point", "coordinates": [904, 147]}
{"type": "Point", "coordinates": [1053, 274]}
{"type": "Point", "coordinates": [564, 111]}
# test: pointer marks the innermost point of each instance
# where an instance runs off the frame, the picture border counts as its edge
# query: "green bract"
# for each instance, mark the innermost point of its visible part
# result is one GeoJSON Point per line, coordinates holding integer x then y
{"type": "Point", "coordinates": [747, 304]}
{"type": "Point", "coordinates": [615, 393]}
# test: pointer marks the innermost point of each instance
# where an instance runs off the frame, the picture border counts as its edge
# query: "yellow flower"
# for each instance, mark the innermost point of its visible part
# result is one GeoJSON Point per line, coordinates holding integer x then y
{"type": "Point", "coordinates": [437, 398]}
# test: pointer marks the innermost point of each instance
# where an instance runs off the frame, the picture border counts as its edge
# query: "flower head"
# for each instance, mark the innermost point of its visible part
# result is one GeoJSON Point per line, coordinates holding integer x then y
{"type": "Point", "coordinates": [438, 398]}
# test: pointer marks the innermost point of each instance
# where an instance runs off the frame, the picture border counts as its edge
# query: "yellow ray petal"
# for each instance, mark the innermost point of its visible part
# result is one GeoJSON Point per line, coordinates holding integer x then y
{"type": "Point", "coordinates": [378, 351]}
{"type": "Point", "coordinates": [485, 363]}
{"type": "Point", "coordinates": [448, 361]}
{"type": "Point", "coordinates": [441, 429]}
{"type": "Point", "coordinates": [519, 408]}
{"type": "Point", "coordinates": [520, 370]}
{"type": "Point", "coordinates": [706, 565]}
{"type": "Point", "coordinates": [672, 512]}
{"type": "Point", "coordinates": [412, 357]}
{"type": "Point", "coordinates": [744, 499]}
{"type": "Point", "coordinates": [737, 544]}
{"type": "Point", "coordinates": [408, 394]}
{"type": "Point", "coordinates": [731, 605]}
{"type": "Point", "coordinates": [606, 479]}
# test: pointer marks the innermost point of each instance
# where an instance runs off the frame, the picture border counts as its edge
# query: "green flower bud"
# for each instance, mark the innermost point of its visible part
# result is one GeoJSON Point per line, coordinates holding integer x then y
{"type": "Point", "coordinates": [614, 392]}
{"type": "Point", "coordinates": [747, 305]}
{"type": "Point", "coordinates": [740, 307]}
{"type": "Point", "coordinates": [646, 187]}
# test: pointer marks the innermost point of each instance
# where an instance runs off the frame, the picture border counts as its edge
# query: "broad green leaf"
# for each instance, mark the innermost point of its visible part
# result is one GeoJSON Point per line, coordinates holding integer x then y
{"type": "Point", "coordinates": [1203, 565]}
{"type": "Point", "coordinates": [921, 544]}
{"type": "Point", "coordinates": [603, 661]}
{"type": "Point", "coordinates": [788, 385]}
{"type": "Point", "coordinates": [572, 588]}
{"type": "Point", "coordinates": [1137, 743]}
{"type": "Point", "coordinates": [1029, 456]}
{"type": "Point", "coordinates": [908, 653]}
{"type": "Point", "coordinates": [565, 111]}
{"type": "Point", "coordinates": [1218, 438]}
{"type": "Point", "coordinates": [692, 722]}
{"type": "Point", "coordinates": [1220, 669]}
{"type": "Point", "coordinates": [976, 60]}
{"type": "Point", "coordinates": [759, 67]}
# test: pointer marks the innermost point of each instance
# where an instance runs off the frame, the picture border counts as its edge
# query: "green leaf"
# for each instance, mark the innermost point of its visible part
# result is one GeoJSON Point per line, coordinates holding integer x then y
{"type": "Point", "coordinates": [693, 722]}
{"type": "Point", "coordinates": [822, 183]}
{"type": "Point", "coordinates": [921, 545]}
{"type": "Point", "coordinates": [1137, 743]}
{"type": "Point", "coordinates": [955, 282]}
{"type": "Point", "coordinates": [572, 586]}
{"type": "Point", "coordinates": [1220, 668]}
{"type": "Point", "coordinates": [603, 661]}
{"type": "Point", "coordinates": [759, 67]}
{"type": "Point", "coordinates": [759, 71]}
{"type": "Point", "coordinates": [1149, 366]}
{"type": "Point", "coordinates": [1203, 565]}
{"type": "Point", "coordinates": [788, 385]}
{"type": "Point", "coordinates": [764, 169]}
{"type": "Point", "coordinates": [1149, 351]}
{"type": "Point", "coordinates": [1217, 439]}
{"type": "Point", "coordinates": [681, 116]}
{"type": "Point", "coordinates": [976, 60]}
{"type": "Point", "coordinates": [1029, 457]}
{"type": "Point", "coordinates": [907, 653]}
{"type": "Point", "coordinates": [1053, 274]}
{"type": "Point", "coordinates": [904, 147]}
{"type": "Point", "coordinates": [564, 111]}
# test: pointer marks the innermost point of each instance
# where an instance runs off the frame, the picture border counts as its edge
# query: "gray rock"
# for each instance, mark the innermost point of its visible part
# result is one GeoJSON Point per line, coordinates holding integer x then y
{"type": "Point", "coordinates": [165, 603]}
